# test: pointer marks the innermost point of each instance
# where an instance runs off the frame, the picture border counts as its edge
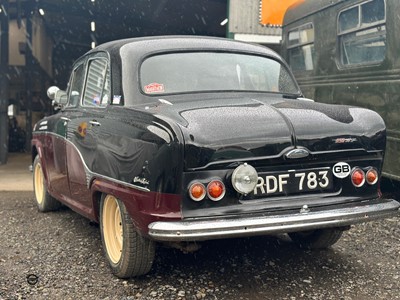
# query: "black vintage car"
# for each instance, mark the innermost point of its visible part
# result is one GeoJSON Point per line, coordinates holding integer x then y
{"type": "Point", "coordinates": [183, 139]}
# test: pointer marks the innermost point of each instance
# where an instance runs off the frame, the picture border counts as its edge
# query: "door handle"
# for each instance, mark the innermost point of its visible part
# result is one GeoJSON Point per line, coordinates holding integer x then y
{"type": "Point", "coordinates": [94, 123]}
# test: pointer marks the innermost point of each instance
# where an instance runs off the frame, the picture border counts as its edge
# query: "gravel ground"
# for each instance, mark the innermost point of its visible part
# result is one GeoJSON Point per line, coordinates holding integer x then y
{"type": "Point", "coordinates": [60, 255]}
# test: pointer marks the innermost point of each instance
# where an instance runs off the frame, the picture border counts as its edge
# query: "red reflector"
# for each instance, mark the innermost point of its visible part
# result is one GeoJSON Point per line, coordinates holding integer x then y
{"type": "Point", "coordinates": [216, 190]}
{"type": "Point", "coordinates": [358, 177]}
{"type": "Point", "coordinates": [197, 191]}
{"type": "Point", "coordinates": [372, 176]}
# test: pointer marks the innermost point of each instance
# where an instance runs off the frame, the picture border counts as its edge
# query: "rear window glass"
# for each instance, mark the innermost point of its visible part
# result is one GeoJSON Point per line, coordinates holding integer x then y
{"type": "Point", "coordinates": [211, 71]}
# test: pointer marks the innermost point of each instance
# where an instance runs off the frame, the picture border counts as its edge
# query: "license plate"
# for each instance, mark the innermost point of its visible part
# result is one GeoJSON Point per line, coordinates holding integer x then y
{"type": "Point", "coordinates": [294, 182]}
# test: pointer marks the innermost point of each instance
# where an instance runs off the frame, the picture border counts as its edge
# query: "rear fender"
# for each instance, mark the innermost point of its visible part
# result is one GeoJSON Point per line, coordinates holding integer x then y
{"type": "Point", "coordinates": [37, 149]}
{"type": "Point", "coordinates": [144, 207]}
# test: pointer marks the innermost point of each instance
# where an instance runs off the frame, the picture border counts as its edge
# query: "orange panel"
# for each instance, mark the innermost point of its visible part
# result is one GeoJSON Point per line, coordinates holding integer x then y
{"type": "Point", "coordinates": [273, 11]}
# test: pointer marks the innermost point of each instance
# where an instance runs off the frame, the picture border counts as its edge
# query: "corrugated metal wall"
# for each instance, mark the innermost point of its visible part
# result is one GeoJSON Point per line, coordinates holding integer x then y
{"type": "Point", "coordinates": [244, 17]}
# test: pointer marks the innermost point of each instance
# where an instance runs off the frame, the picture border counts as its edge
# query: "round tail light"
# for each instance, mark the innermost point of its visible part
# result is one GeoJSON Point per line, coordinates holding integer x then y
{"type": "Point", "coordinates": [372, 176]}
{"type": "Point", "coordinates": [357, 177]}
{"type": "Point", "coordinates": [216, 190]}
{"type": "Point", "coordinates": [244, 179]}
{"type": "Point", "coordinates": [197, 191]}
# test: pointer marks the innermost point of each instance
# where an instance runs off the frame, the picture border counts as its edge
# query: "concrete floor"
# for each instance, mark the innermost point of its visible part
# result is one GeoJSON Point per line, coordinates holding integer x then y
{"type": "Point", "coordinates": [15, 175]}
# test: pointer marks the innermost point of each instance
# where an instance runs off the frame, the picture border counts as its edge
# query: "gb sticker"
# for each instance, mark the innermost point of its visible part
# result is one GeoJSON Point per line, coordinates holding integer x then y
{"type": "Point", "coordinates": [341, 170]}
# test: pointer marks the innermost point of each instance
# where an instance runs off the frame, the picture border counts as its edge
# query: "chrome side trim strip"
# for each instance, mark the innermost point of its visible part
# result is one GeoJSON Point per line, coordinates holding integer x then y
{"type": "Point", "coordinates": [89, 173]}
{"type": "Point", "coordinates": [196, 230]}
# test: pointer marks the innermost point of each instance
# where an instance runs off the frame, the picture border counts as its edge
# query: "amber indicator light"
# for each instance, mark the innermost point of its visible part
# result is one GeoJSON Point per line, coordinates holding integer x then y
{"type": "Point", "coordinates": [216, 190]}
{"type": "Point", "coordinates": [197, 191]}
{"type": "Point", "coordinates": [372, 176]}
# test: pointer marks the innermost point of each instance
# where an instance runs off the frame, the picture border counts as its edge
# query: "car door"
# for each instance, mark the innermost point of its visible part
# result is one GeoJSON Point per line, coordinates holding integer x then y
{"type": "Point", "coordinates": [83, 130]}
{"type": "Point", "coordinates": [54, 154]}
{"type": "Point", "coordinates": [57, 143]}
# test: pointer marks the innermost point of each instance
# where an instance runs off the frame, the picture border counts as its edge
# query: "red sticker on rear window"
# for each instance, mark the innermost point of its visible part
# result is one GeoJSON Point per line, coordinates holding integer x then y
{"type": "Point", "coordinates": [154, 88]}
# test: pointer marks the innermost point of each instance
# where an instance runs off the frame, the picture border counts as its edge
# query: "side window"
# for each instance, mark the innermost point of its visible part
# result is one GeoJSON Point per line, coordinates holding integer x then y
{"type": "Point", "coordinates": [362, 34]}
{"type": "Point", "coordinates": [301, 48]}
{"type": "Point", "coordinates": [76, 85]}
{"type": "Point", "coordinates": [97, 90]}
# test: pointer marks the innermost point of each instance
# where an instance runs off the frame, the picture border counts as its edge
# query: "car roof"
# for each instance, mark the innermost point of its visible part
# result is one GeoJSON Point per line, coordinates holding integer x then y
{"type": "Point", "coordinates": [145, 45]}
{"type": "Point", "coordinates": [127, 55]}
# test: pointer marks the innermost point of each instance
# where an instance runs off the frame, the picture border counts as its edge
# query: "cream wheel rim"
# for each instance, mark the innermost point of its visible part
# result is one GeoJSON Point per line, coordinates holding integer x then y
{"type": "Point", "coordinates": [112, 228]}
{"type": "Point", "coordinates": [39, 188]}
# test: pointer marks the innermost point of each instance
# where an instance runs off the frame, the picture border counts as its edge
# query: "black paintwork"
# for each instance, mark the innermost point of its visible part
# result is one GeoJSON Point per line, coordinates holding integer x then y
{"type": "Point", "coordinates": [162, 147]}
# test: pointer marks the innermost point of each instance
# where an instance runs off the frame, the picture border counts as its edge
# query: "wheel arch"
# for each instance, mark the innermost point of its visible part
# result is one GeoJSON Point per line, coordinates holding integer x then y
{"type": "Point", "coordinates": [34, 152]}
{"type": "Point", "coordinates": [144, 207]}
{"type": "Point", "coordinates": [96, 198]}
{"type": "Point", "coordinates": [37, 150]}
{"type": "Point", "coordinates": [100, 187]}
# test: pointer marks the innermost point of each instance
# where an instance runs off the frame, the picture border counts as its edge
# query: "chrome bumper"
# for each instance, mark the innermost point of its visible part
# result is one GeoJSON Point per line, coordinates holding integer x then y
{"type": "Point", "coordinates": [200, 229]}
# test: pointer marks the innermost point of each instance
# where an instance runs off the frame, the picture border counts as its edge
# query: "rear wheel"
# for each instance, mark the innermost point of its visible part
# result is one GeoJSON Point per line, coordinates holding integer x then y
{"type": "Point", "coordinates": [316, 239]}
{"type": "Point", "coordinates": [128, 253]}
{"type": "Point", "coordinates": [45, 202]}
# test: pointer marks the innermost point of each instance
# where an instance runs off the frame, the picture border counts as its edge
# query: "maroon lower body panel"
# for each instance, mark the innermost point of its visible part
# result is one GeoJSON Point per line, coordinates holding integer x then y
{"type": "Point", "coordinates": [143, 207]}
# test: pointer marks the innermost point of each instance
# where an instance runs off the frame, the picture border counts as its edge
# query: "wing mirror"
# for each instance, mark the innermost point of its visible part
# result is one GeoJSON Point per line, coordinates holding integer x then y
{"type": "Point", "coordinates": [59, 97]}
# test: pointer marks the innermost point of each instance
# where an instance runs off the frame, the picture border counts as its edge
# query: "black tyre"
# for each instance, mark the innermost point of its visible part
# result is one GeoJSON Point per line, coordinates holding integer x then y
{"type": "Point", "coordinates": [128, 253]}
{"type": "Point", "coordinates": [45, 202]}
{"type": "Point", "coordinates": [316, 239]}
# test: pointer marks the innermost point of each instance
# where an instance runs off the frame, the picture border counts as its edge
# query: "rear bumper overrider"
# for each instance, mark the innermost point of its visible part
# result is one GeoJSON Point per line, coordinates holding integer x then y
{"type": "Point", "coordinates": [249, 225]}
